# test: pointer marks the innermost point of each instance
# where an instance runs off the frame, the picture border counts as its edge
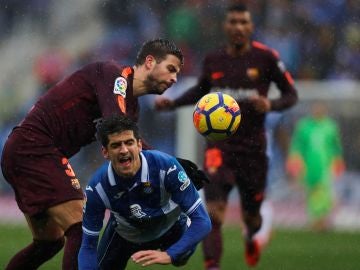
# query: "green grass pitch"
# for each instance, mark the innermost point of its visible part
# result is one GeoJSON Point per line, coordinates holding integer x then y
{"type": "Point", "coordinates": [288, 250]}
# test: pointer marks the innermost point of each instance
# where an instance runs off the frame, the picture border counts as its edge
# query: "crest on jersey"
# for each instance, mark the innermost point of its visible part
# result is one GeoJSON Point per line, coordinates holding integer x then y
{"type": "Point", "coordinates": [120, 86]}
{"type": "Point", "coordinates": [252, 73]}
{"type": "Point", "coordinates": [147, 188]}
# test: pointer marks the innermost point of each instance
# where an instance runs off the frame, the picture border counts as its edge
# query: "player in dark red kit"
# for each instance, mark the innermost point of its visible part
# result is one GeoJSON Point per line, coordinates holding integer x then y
{"type": "Point", "coordinates": [35, 156]}
{"type": "Point", "coordinates": [243, 69]}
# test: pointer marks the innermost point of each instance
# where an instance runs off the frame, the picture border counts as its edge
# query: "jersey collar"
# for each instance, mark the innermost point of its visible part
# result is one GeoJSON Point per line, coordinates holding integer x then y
{"type": "Point", "coordinates": [144, 171]}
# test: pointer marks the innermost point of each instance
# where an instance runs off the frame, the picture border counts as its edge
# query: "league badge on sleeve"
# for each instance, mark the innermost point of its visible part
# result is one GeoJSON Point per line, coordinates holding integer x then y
{"type": "Point", "coordinates": [183, 178]}
{"type": "Point", "coordinates": [120, 86]}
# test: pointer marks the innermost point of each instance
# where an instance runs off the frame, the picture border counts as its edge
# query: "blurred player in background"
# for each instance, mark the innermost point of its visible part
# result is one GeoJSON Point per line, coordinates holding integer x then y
{"type": "Point", "coordinates": [316, 156]}
{"type": "Point", "coordinates": [243, 69]}
{"type": "Point", "coordinates": [150, 198]}
{"type": "Point", "coordinates": [35, 156]}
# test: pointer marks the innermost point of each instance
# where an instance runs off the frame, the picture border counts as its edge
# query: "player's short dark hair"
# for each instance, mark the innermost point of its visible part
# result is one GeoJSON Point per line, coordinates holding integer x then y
{"type": "Point", "coordinates": [159, 48]}
{"type": "Point", "coordinates": [237, 8]}
{"type": "Point", "coordinates": [115, 124]}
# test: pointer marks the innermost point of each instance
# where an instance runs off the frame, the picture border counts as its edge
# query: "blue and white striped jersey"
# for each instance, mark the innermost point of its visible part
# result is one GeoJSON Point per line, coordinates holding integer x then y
{"type": "Point", "coordinates": [155, 196]}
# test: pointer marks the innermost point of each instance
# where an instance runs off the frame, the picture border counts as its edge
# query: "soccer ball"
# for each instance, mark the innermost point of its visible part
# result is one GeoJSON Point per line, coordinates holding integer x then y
{"type": "Point", "coordinates": [216, 116]}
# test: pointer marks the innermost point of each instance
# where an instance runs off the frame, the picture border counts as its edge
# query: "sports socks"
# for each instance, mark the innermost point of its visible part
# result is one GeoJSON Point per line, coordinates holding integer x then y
{"type": "Point", "coordinates": [35, 254]}
{"type": "Point", "coordinates": [264, 233]}
{"type": "Point", "coordinates": [73, 237]}
{"type": "Point", "coordinates": [213, 246]}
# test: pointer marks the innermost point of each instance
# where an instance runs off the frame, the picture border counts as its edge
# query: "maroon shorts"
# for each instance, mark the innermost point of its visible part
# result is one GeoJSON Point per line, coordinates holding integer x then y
{"type": "Point", "coordinates": [40, 175]}
{"type": "Point", "coordinates": [248, 172]}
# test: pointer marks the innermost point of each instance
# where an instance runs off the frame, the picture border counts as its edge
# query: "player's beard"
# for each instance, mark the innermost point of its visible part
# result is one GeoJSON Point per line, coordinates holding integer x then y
{"type": "Point", "coordinates": [155, 86]}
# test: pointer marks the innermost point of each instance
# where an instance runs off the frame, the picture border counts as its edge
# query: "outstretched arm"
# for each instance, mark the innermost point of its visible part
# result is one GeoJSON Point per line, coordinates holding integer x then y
{"type": "Point", "coordinates": [179, 253]}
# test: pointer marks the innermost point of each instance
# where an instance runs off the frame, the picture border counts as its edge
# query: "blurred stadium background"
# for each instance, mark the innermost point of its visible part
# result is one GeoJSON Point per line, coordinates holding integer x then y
{"type": "Point", "coordinates": [41, 41]}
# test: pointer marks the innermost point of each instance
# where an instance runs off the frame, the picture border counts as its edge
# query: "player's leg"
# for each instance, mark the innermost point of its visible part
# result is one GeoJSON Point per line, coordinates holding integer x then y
{"type": "Point", "coordinates": [113, 251]}
{"type": "Point", "coordinates": [48, 239]}
{"type": "Point", "coordinates": [213, 242]}
{"type": "Point", "coordinates": [251, 181]}
{"type": "Point", "coordinates": [68, 216]}
{"type": "Point", "coordinates": [263, 235]}
{"type": "Point", "coordinates": [216, 195]}
{"type": "Point", "coordinates": [320, 204]}
{"type": "Point", "coordinates": [44, 184]}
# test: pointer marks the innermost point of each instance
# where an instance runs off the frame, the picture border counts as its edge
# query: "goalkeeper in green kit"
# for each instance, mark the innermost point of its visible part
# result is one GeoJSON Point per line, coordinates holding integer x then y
{"type": "Point", "coordinates": [316, 157]}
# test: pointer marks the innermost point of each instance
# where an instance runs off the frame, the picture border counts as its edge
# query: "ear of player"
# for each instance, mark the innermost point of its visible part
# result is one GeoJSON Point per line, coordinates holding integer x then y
{"type": "Point", "coordinates": [217, 116]}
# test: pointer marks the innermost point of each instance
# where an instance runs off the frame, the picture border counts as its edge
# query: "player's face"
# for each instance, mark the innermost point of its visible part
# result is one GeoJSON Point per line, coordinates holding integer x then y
{"type": "Point", "coordinates": [238, 28]}
{"type": "Point", "coordinates": [123, 150]}
{"type": "Point", "coordinates": [163, 75]}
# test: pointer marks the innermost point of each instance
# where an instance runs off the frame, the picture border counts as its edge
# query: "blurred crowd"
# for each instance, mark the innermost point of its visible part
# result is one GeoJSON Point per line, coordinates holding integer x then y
{"type": "Point", "coordinates": [318, 39]}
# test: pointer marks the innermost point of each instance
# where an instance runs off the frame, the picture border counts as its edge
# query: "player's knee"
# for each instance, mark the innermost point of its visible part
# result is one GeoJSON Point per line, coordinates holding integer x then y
{"type": "Point", "coordinates": [49, 247]}
{"type": "Point", "coordinates": [216, 213]}
{"type": "Point", "coordinates": [74, 230]}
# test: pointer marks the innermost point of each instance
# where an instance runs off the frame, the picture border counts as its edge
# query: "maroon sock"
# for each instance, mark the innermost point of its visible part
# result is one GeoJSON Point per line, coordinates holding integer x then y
{"type": "Point", "coordinates": [73, 237]}
{"type": "Point", "coordinates": [213, 246]}
{"type": "Point", "coordinates": [35, 254]}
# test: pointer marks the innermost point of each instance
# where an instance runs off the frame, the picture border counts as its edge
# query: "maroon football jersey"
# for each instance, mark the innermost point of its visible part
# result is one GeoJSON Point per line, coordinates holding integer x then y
{"type": "Point", "coordinates": [242, 77]}
{"type": "Point", "coordinates": [65, 116]}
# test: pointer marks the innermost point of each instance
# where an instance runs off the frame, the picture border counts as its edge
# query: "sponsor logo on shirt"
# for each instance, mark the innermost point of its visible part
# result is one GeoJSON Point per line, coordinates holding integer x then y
{"type": "Point", "coordinates": [120, 86]}
{"type": "Point", "coordinates": [136, 211]}
{"type": "Point", "coordinates": [239, 93]}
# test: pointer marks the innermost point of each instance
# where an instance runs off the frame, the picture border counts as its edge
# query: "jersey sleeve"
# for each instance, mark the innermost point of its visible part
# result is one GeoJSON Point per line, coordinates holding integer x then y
{"type": "Point", "coordinates": [94, 212]}
{"type": "Point", "coordinates": [284, 82]}
{"type": "Point", "coordinates": [184, 194]}
{"type": "Point", "coordinates": [182, 190]}
{"type": "Point", "coordinates": [93, 216]}
{"type": "Point", "coordinates": [109, 86]}
{"type": "Point", "coordinates": [199, 227]}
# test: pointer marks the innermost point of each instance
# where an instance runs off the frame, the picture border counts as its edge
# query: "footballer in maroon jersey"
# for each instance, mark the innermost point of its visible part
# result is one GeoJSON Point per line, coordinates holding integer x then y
{"type": "Point", "coordinates": [244, 69]}
{"type": "Point", "coordinates": [35, 156]}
